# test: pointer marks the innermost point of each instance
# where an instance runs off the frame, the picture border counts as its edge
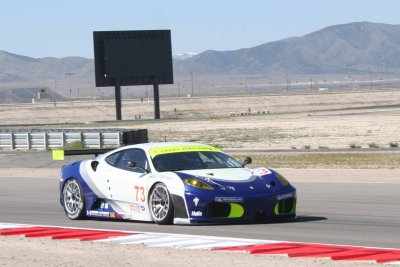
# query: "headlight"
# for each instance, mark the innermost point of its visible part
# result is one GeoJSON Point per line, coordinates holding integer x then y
{"type": "Point", "coordinates": [197, 183]}
{"type": "Point", "coordinates": [282, 179]}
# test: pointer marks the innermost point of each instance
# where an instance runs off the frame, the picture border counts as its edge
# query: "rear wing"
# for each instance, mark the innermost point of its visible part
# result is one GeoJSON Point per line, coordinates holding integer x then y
{"type": "Point", "coordinates": [58, 154]}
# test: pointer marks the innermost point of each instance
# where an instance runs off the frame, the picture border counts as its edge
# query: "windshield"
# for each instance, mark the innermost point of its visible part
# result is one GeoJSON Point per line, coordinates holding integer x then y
{"type": "Point", "coordinates": [193, 161]}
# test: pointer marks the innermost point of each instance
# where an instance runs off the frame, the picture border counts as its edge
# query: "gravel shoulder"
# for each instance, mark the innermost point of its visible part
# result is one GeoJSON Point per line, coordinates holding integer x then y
{"type": "Point", "coordinates": [19, 251]}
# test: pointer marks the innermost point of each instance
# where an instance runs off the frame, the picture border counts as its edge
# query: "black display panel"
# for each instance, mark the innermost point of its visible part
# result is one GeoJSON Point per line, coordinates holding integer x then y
{"type": "Point", "coordinates": [133, 57]}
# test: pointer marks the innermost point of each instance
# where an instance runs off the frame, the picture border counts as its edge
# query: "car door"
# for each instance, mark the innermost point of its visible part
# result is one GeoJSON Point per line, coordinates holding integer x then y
{"type": "Point", "coordinates": [128, 183]}
{"type": "Point", "coordinates": [97, 174]}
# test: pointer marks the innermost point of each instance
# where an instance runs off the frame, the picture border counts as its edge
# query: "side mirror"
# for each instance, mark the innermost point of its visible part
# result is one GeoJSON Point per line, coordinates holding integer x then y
{"type": "Point", "coordinates": [246, 161]}
{"type": "Point", "coordinates": [131, 164]}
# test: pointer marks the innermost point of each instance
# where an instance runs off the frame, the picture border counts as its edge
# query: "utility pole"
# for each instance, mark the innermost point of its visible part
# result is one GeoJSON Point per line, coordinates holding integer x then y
{"type": "Point", "coordinates": [55, 90]}
{"type": "Point", "coordinates": [370, 78]}
{"type": "Point", "coordinates": [69, 74]}
{"type": "Point", "coordinates": [191, 74]}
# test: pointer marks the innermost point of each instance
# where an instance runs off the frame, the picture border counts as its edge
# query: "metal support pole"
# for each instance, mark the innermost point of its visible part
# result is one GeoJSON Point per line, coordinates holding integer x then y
{"type": "Point", "coordinates": [156, 101]}
{"type": "Point", "coordinates": [118, 102]}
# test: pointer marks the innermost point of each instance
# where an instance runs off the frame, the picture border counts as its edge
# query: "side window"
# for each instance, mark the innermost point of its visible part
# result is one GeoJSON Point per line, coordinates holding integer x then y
{"type": "Point", "coordinates": [112, 159]}
{"type": "Point", "coordinates": [134, 156]}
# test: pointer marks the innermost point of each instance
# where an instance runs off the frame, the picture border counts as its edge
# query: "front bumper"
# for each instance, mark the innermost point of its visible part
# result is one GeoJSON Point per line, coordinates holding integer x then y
{"type": "Point", "coordinates": [253, 208]}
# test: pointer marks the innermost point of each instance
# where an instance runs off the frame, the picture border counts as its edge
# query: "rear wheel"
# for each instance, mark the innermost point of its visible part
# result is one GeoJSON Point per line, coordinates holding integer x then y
{"type": "Point", "coordinates": [161, 205]}
{"type": "Point", "coordinates": [74, 201]}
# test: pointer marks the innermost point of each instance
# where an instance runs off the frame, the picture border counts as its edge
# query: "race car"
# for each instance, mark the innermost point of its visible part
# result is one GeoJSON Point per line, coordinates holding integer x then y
{"type": "Point", "coordinates": [174, 183]}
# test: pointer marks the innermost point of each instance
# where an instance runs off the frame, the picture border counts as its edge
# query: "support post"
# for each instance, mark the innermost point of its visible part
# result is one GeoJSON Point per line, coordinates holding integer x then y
{"type": "Point", "coordinates": [118, 102]}
{"type": "Point", "coordinates": [156, 101]}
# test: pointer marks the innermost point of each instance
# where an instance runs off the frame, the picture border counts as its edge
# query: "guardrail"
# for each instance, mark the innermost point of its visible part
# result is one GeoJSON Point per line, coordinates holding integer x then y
{"type": "Point", "coordinates": [50, 139]}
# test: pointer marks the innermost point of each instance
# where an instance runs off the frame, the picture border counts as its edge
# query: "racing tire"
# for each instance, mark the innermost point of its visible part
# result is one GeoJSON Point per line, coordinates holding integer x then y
{"type": "Point", "coordinates": [73, 200]}
{"type": "Point", "coordinates": [161, 205]}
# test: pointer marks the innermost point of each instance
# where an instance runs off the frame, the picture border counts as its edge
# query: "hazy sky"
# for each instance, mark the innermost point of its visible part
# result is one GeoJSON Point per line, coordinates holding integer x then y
{"type": "Point", "coordinates": [39, 28]}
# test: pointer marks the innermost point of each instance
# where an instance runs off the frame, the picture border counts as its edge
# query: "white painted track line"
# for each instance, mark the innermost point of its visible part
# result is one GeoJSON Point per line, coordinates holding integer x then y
{"type": "Point", "coordinates": [183, 241]}
{"type": "Point", "coordinates": [12, 225]}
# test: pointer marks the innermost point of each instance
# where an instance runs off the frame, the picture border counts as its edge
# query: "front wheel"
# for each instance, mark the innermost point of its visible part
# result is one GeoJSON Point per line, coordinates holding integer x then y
{"type": "Point", "coordinates": [74, 200]}
{"type": "Point", "coordinates": [161, 205]}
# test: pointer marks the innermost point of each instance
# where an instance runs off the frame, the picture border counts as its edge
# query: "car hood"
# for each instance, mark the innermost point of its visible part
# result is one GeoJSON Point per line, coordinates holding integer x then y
{"type": "Point", "coordinates": [239, 180]}
{"type": "Point", "coordinates": [229, 174]}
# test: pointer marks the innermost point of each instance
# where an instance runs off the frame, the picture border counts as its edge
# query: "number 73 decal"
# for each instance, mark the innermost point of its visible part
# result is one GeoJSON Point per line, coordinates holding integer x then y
{"type": "Point", "coordinates": [140, 196]}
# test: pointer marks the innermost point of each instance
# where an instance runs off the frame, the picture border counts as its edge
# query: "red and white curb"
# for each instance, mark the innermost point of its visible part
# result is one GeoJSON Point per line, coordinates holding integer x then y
{"type": "Point", "coordinates": [179, 241]}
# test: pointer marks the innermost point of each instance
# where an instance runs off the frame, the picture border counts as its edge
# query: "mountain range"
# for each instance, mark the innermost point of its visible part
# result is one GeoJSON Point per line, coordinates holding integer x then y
{"type": "Point", "coordinates": [360, 47]}
{"type": "Point", "coordinates": [17, 68]}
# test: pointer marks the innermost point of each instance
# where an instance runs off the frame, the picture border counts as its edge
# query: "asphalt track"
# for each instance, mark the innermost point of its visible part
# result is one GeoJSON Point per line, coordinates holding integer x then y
{"type": "Point", "coordinates": [360, 214]}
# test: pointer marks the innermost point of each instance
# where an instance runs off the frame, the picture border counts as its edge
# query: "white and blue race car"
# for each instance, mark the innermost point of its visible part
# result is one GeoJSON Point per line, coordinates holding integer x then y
{"type": "Point", "coordinates": [174, 182]}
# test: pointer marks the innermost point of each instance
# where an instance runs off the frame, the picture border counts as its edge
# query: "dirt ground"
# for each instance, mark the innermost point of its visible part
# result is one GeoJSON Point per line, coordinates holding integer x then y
{"type": "Point", "coordinates": [19, 251]}
{"type": "Point", "coordinates": [318, 120]}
